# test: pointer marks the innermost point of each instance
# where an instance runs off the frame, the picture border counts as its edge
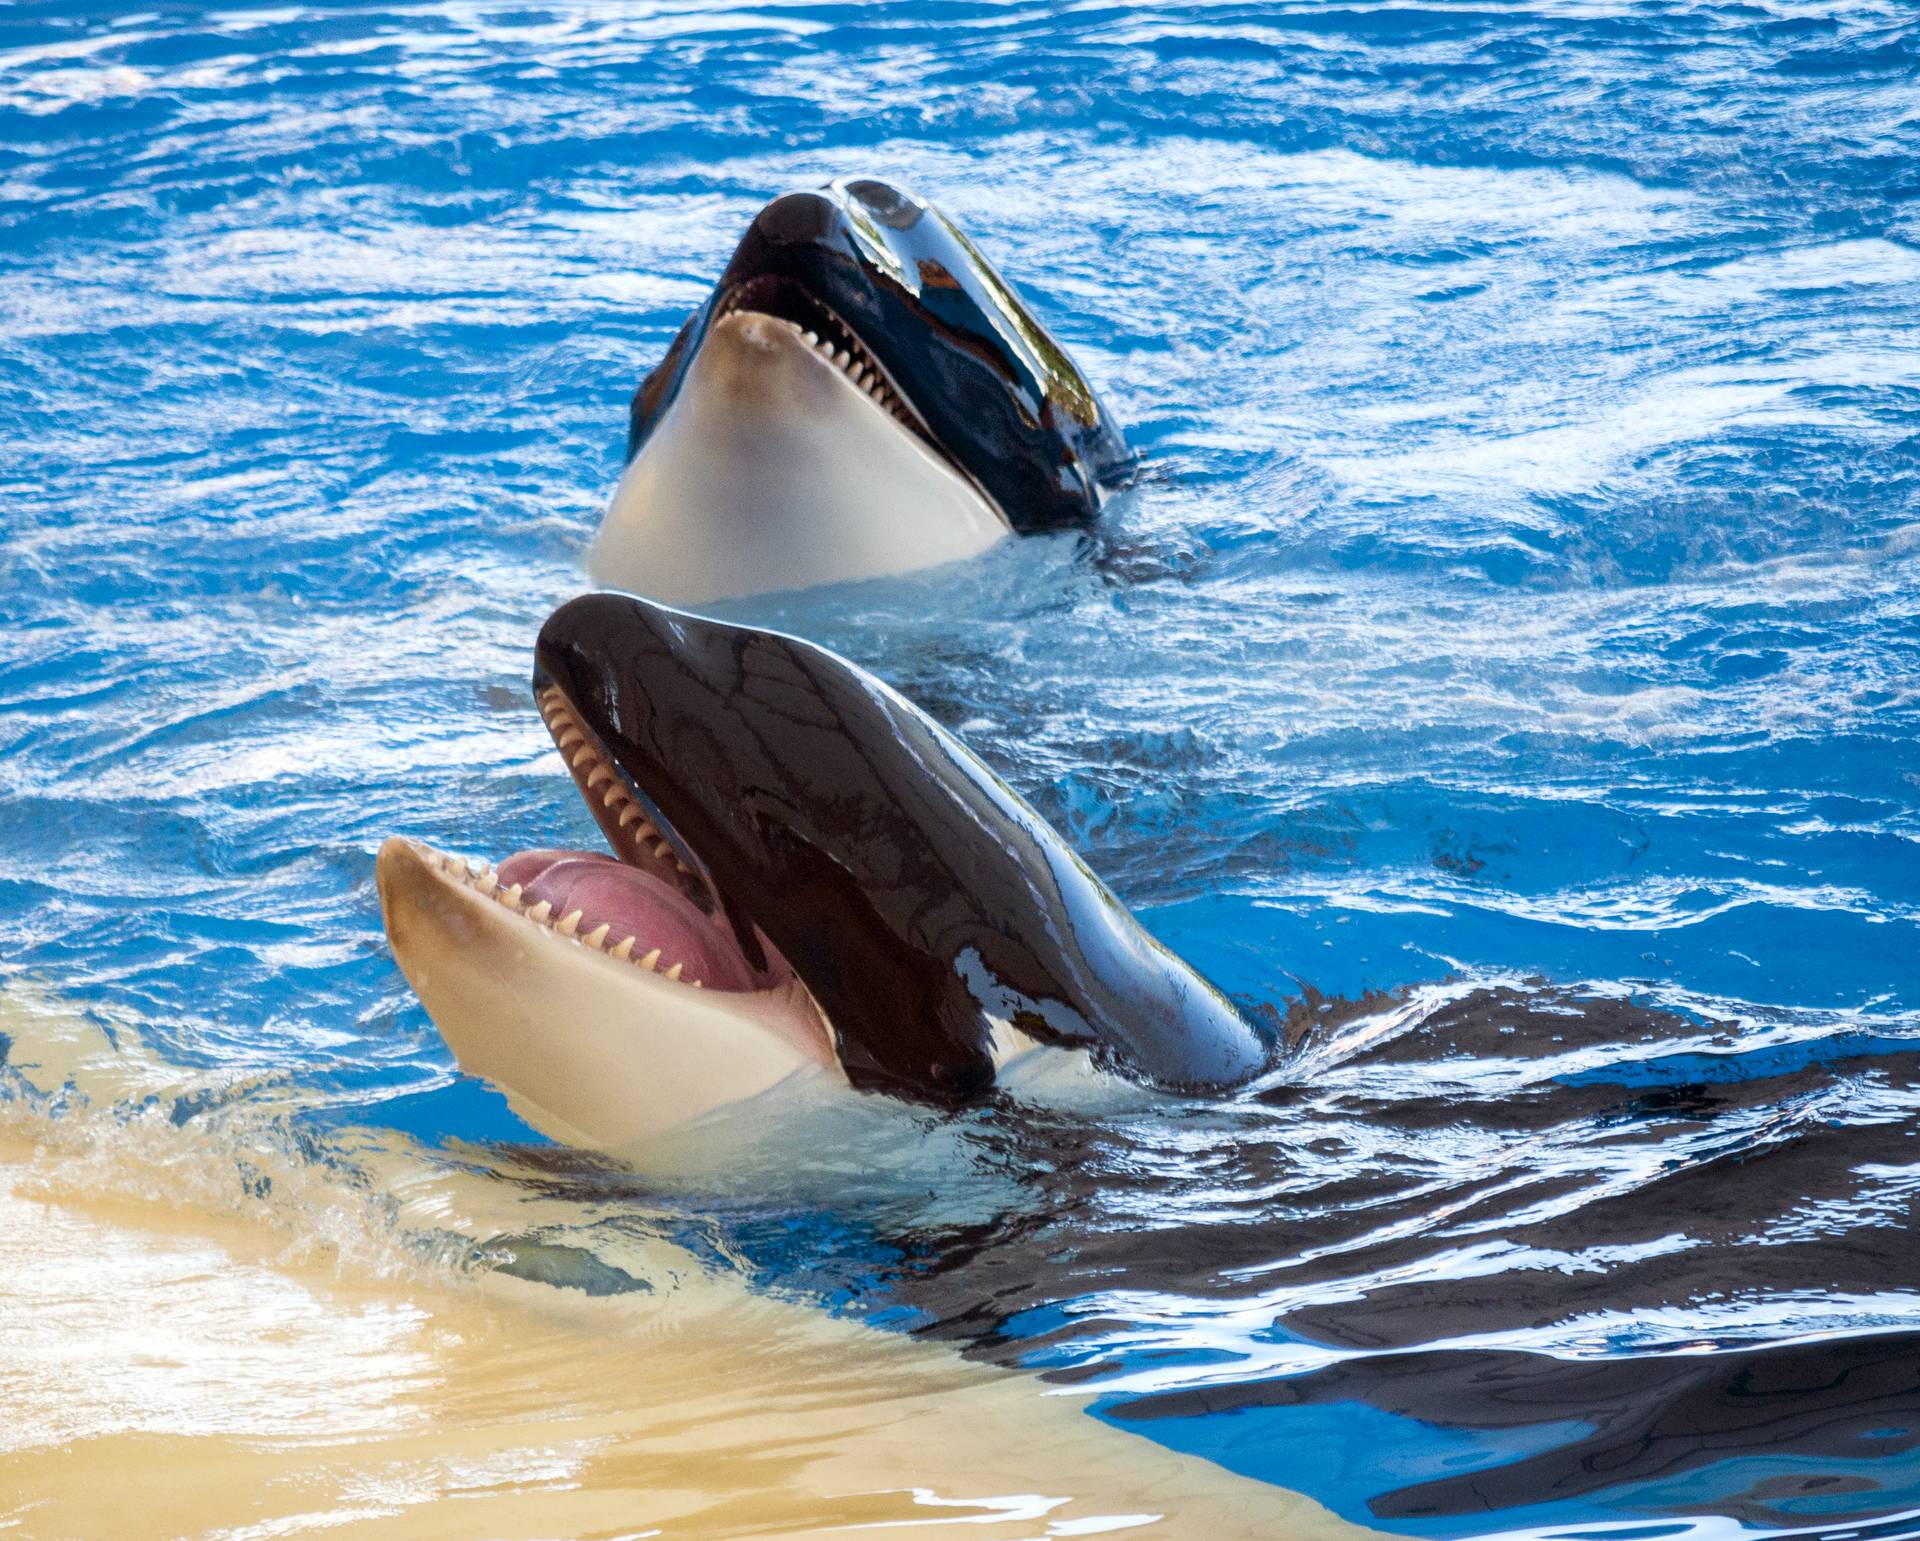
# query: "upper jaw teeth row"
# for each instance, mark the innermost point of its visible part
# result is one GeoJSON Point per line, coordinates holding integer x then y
{"type": "Point", "coordinates": [599, 778]}
{"type": "Point", "coordinates": [486, 882]}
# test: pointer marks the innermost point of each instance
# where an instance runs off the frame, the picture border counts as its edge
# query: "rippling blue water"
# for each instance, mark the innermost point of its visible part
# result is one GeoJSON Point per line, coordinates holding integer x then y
{"type": "Point", "coordinates": [1523, 599]}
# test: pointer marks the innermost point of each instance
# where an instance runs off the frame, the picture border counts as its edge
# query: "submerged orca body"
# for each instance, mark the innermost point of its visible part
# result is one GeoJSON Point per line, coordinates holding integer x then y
{"type": "Point", "coordinates": [861, 394]}
{"type": "Point", "coordinates": [806, 871]}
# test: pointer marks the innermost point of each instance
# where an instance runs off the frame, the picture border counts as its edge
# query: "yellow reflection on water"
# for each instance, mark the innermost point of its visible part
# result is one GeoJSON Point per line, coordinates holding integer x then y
{"type": "Point", "coordinates": [181, 1357]}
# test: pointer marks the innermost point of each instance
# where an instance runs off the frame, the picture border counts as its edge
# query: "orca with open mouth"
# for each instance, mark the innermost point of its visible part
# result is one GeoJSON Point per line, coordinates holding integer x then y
{"type": "Point", "coordinates": [806, 872]}
{"type": "Point", "coordinates": [861, 394]}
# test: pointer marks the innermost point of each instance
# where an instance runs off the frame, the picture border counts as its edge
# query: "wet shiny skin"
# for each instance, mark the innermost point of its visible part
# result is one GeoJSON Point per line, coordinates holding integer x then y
{"type": "Point", "coordinates": [989, 387]}
{"type": "Point", "coordinates": [917, 897]}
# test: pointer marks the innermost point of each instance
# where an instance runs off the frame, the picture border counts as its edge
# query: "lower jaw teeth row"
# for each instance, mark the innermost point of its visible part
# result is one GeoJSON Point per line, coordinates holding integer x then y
{"type": "Point", "coordinates": [486, 882]}
{"type": "Point", "coordinates": [843, 359]}
{"type": "Point", "coordinates": [863, 375]}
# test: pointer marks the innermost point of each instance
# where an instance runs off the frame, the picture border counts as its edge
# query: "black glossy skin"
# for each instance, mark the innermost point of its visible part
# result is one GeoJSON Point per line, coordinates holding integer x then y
{"type": "Point", "coordinates": [913, 892]}
{"type": "Point", "coordinates": [998, 396]}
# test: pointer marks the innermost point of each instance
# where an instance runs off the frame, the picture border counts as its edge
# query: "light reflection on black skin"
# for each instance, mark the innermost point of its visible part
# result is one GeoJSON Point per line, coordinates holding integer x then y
{"type": "Point", "coordinates": [915, 894]}
{"type": "Point", "coordinates": [997, 395]}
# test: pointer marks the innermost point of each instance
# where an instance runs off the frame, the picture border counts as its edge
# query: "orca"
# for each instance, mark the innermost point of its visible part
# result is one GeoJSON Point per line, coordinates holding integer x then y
{"type": "Point", "coordinates": [806, 876]}
{"type": "Point", "coordinates": [860, 395]}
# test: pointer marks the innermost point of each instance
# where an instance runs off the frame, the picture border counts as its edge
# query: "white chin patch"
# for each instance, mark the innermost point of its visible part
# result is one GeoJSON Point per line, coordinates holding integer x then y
{"type": "Point", "coordinates": [590, 1048]}
{"type": "Point", "coordinates": [773, 469]}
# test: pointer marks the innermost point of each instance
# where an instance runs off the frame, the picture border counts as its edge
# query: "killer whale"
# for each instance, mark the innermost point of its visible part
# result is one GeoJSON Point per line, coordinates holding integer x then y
{"type": "Point", "coordinates": [806, 874]}
{"type": "Point", "coordinates": [861, 394]}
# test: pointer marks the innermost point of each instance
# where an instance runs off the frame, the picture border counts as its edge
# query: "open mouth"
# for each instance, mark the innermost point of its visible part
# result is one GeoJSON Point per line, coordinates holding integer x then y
{"type": "Point", "coordinates": [647, 904]}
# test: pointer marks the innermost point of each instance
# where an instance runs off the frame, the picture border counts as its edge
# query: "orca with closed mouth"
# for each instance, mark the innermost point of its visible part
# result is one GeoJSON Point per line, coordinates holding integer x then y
{"type": "Point", "coordinates": [806, 873]}
{"type": "Point", "coordinates": [861, 394]}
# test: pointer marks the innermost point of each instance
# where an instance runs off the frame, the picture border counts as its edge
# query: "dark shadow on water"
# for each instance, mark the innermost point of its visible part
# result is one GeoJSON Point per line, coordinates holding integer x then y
{"type": "Point", "coordinates": [1591, 1260]}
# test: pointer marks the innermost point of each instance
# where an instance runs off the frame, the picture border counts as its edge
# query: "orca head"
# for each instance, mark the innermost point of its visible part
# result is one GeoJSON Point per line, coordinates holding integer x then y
{"type": "Point", "coordinates": [861, 393]}
{"type": "Point", "coordinates": [852, 889]}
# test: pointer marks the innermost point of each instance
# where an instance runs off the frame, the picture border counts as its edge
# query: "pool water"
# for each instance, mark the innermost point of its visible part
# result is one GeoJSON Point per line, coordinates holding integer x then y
{"type": "Point", "coordinates": [1505, 676]}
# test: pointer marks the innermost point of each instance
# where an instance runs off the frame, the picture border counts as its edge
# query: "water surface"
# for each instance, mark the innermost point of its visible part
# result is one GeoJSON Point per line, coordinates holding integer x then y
{"type": "Point", "coordinates": [1504, 675]}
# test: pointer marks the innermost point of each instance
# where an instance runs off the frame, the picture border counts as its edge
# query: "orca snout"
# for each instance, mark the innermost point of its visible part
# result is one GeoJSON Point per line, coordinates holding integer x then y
{"type": "Point", "coordinates": [798, 219]}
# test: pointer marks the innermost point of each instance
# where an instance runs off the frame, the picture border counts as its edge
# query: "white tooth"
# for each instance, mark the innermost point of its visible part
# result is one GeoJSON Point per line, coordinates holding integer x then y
{"type": "Point", "coordinates": [598, 774]}
{"type": "Point", "coordinates": [662, 849]}
{"type": "Point", "coordinates": [512, 896]}
{"type": "Point", "coordinates": [650, 959]}
{"type": "Point", "coordinates": [813, 337]}
{"type": "Point", "coordinates": [674, 972]}
{"type": "Point", "coordinates": [614, 794]}
{"type": "Point", "coordinates": [569, 924]}
{"type": "Point", "coordinates": [625, 950]}
{"type": "Point", "coordinates": [586, 753]}
{"type": "Point", "coordinates": [645, 832]}
{"type": "Point", "coordinates": [697, 985]}
{"type": "Point", "coordinates": [541, 911]}
{"type": "Point", "coordinates": [489, 881]}
{"type": "Point", "coordinates": [629, 813]}
{"type": "Point", "coordinates": [597, 935]}
{"type": "Point", "coordinates": [841, 357]}
{"type": "Point", "coordinates": [571, 737]}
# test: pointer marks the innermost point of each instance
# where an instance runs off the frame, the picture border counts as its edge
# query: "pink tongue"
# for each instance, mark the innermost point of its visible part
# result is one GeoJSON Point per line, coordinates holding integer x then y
{"type": "Point", "coordinates": [631, 903]}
